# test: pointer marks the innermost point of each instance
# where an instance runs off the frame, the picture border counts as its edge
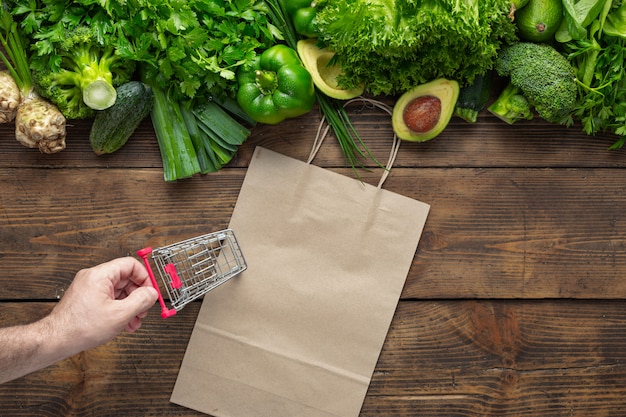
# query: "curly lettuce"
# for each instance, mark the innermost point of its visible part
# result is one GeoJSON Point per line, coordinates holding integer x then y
{"type": "Point", "coordinates": [392, 45]}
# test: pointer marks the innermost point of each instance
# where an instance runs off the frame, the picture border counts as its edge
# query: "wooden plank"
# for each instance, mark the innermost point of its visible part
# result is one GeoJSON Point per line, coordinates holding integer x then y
{"type": "Point", "coordinates": [131, 376]}
{"type": "Point", "coordinates": [502, 358]}
{"type": "Point", "coordinates": [514, 233]}
{"type": "Point", "coordinates": [56, 222]}
{"type": "Point", "coordinates": [454, 358]}
{"type": "Point", "coordinates": [488, 143]}
{"type": "Point", "coordinates": [518, 233]}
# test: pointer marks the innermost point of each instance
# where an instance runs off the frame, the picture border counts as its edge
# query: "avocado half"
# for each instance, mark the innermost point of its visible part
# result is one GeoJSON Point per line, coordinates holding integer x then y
{"type": "Point", "coordinates": [423, 112]}
{"type": "Point", "coordinates": [315, 60]}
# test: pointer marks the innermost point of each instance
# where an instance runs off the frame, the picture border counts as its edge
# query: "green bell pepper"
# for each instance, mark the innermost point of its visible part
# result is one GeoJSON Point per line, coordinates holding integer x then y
{"type": "Point", "coordinates": [275, 86]}
{"type": "Point", "coordinates": [302, 13]}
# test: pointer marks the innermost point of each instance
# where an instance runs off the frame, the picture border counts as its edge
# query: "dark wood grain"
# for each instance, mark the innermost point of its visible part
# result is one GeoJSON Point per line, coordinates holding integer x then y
{"type": "Point", "coordinates": [510, 233]}
{"type": "Point", "coordinates": [513, 304]}
{"type": "Point", "coordinates": [489, 143]}
{"type": "Point", "coordinates": [441, 358]}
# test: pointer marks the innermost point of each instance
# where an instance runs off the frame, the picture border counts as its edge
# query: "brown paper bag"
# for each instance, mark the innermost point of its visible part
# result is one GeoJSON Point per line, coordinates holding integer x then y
{"type": "Point", "coordinates": [299, 332]}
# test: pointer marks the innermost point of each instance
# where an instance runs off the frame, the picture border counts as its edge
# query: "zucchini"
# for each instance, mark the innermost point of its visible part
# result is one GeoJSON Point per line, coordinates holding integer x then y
{"type": "Point", "coordinates": [474, 97]}
{"type": "Point", "coordinates": [112, 127]}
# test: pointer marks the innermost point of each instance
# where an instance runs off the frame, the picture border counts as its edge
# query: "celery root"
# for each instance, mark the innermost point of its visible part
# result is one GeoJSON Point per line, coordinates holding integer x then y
{"type": "Point", "coordinates": [39, 124]}
{"type": "Point", "coordinates": [10, 97]}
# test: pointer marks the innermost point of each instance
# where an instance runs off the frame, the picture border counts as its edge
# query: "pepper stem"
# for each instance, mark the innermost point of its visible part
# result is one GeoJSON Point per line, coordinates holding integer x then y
{"type": "Point", "coordinates": [266, 81]}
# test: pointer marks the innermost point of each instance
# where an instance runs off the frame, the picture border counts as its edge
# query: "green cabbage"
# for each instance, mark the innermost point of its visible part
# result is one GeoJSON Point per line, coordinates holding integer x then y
{"type": "Point", "coordinates": [392, 45]}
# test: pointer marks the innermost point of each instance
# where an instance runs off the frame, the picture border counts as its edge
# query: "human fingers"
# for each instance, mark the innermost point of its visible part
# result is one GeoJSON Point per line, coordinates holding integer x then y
{"type": "Point", "coordinates": [137, 303]}
{"type": "Point", "coordinates": [133, 325]}
{"type": "Point", "coordinates": [127, 271]}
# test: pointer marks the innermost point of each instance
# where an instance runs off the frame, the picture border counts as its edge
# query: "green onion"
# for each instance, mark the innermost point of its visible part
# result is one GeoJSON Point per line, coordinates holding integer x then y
{"type": "Point", "coordinates": [352, 146]}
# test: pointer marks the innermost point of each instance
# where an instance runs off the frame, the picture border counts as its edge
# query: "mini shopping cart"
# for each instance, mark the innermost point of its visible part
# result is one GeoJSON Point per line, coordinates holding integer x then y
{"type": "Point", "coordinates": [193, 267]}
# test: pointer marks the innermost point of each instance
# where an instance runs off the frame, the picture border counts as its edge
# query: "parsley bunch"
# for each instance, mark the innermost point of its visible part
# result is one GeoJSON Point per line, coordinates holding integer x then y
{"type": "Point", "coordinates": [190, 48]}
{"type": "Point", "coordinates": [595, 44]}
{"type": "Point", "coordinates": [601, 104]}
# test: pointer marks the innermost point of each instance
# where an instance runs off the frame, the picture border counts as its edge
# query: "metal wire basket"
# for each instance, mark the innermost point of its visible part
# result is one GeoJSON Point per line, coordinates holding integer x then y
{"type": "Point", "coordinates": [193, 267]}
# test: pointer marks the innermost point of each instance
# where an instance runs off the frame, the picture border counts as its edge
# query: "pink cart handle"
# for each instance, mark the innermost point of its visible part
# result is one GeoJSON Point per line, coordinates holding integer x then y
{"type": "Point", "coordinates": [143, 254]}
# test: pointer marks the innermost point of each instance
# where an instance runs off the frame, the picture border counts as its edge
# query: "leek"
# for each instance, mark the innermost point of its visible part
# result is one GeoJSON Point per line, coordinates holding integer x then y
{"type": "Point", "coordinates": [177, 151]}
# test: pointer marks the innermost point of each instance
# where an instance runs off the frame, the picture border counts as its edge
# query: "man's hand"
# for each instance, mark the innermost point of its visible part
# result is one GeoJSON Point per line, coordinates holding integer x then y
{"type": "Point", "coordinates": [100, 303]}
{"type": "Point", "coordinates": [104, 300]}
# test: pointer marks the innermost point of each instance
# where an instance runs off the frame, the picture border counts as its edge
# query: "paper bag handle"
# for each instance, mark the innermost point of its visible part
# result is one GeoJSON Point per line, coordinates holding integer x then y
{"type": "Point", "coordinates": [322, 132]}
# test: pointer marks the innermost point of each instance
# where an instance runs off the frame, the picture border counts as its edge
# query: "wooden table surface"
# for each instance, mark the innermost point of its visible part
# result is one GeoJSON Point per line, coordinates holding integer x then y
{"type": "Point", "coordinates": [513, 304]}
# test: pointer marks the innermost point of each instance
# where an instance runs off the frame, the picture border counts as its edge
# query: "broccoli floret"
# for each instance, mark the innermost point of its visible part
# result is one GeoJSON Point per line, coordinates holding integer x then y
{"type": "Point", "coordinates": [544, 76]}
{"type": "Point", "coordinates": [511, 105]}
{"type": "Point", "coordinates": [79, 74]}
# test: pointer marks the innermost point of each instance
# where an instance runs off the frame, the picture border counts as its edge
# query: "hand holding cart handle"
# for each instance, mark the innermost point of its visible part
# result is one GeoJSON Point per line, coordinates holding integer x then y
{"type": "Point", "coordinates": [143, 254]}
{"type": "Point", "coordinates": [191, 268]}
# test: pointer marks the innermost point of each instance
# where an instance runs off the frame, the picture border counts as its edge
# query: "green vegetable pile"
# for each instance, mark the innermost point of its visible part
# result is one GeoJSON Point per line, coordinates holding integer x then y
{"type": "Point", "coordinates": [188, 52]}
{"type": "Point", "coordinates": [575, 76]}
{"type": "Point", "coordinates": [208, 70]}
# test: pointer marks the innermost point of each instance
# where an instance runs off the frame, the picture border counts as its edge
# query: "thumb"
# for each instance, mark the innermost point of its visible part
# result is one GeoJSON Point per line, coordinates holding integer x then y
{"type": "Point", "coordinates": [140, 300]}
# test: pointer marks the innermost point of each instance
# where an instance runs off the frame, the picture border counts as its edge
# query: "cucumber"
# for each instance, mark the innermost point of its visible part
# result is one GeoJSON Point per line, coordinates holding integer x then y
{"type": "Point", "coordinates": [112, 127]}
{"type": "Point", "coordinates": [474, 97]}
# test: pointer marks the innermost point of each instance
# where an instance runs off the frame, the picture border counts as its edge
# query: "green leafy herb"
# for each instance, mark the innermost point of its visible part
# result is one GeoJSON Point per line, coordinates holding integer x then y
{"type": "Point", "coordinates": [598, 58]}
{"type": "Point", "coordinates": [189, 47]}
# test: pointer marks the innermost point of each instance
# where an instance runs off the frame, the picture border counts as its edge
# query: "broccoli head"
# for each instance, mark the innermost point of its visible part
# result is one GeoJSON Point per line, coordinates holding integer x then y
{"type": "Point", "coordinates": [544, 76]}
{"type": "Point", "coordinates": [511, 105]}
{"type": "Point", "coordinates": [79, 74]}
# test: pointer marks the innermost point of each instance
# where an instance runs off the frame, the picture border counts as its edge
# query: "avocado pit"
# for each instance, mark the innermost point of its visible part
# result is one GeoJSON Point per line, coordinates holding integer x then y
{"type": "Point", "coordinates": [422, 113]}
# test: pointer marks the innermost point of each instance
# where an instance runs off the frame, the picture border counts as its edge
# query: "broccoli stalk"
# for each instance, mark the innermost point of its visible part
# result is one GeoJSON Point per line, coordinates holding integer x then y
{"type": "Point", "coordinates": [511, 105]}
{"type": "Point", "coordinates": [91, 76]}
{"type": "Point", "coordinates": [82, 76]}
